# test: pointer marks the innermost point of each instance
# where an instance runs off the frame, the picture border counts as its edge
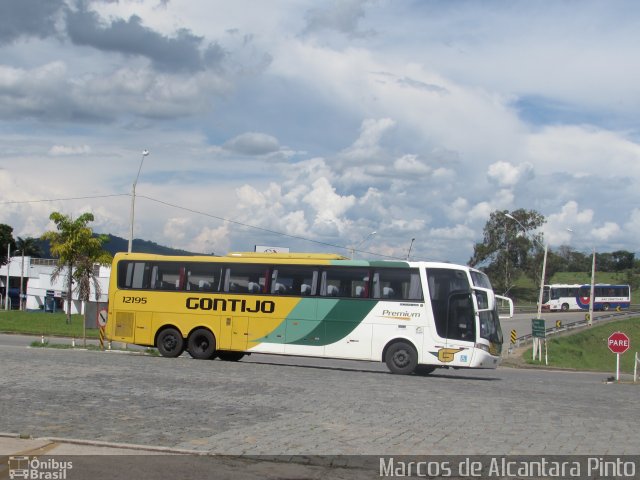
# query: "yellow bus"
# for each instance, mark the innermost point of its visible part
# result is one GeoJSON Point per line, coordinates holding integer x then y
{"type": "Point", "coordinates": [410, 315]}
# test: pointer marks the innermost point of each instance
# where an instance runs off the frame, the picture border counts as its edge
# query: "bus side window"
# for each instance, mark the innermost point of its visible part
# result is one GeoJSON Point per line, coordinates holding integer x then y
{"type": "Point", "coordinates": [245, 278]}
{"type": "Point", "coordinates": [294, 280]}
{"type": "Point", "coordinates": [397, 283]}
{"type": "Point", "coordinates": [203, 277]}
{"type": "Point", "coordinates": [345, 282]}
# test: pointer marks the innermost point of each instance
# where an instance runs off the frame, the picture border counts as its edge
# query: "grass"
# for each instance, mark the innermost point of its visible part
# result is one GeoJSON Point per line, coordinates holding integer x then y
{"type": "Point", "coordinates": [40, 323]}
{"type": "Point", "coordinates": [588, 350]}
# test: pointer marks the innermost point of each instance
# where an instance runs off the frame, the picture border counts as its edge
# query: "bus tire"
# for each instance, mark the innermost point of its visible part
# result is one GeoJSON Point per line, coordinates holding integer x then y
{"type": "Point", "coordinates": [564, 307]}
{"type": "Point", "coordinates": [230, 356]}
{"type": "Point", "coordinates": [170, 343]}
{"type": "Point", "coordinates": [606, 307]}
{"type": "Point", "coordinates": [401, 358]}
{"type": "Point", "coordinates": [424, 369]}
{"type": "Point", "coordinates": [201, 344]}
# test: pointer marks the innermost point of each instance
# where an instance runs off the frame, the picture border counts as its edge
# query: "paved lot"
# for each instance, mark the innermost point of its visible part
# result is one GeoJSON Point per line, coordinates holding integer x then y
{"type": "Point", "coordinates": [310, 406]}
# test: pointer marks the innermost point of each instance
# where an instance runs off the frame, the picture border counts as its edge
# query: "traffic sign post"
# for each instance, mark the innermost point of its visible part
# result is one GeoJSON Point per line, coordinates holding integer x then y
{"type": "Point", "coordinates": [618, 343]}
{"type": "Point", "coordinates": [539, 334]}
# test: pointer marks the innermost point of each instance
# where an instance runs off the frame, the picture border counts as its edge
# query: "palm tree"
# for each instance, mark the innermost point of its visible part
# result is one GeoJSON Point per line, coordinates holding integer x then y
{"type": "Point", "coordinates": [30, 247]}
{"type": "Point", "coordinates": [78, 250]}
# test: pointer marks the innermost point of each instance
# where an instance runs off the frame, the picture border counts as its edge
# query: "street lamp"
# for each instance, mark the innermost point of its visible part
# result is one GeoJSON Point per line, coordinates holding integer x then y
{"type": "Point", "coordinates": [21, 278]}
{"type": "Point", "coordinates": [133, 198]}
{"type": "Point", "coordinates": [544, 263]}
{"type": "Point", "coordinates": [593, 285]}
{"type": "Point", "coordinates": [353, 249]}
{"type": "Point", "coordinates": [410, 245]}
{"type": "Point", "coordinates": [6, 289]}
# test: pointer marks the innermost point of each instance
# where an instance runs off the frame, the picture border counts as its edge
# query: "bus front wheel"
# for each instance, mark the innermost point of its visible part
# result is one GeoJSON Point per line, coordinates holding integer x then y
{"type": "Point", "coordinates": [170, 343]}
{"type": "Point", "coordinates": [201, 344]}
{"type": "Point", "coordinates": [425, 369]}
{"type": "Point", "coordinates": [401, 358]}
{"type": "Point", "coordinates": [564, 307]}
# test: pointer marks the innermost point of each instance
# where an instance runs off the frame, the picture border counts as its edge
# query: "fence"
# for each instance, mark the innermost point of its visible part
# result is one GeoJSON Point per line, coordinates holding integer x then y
{"type": "Point", "coordinates": [580, 323]}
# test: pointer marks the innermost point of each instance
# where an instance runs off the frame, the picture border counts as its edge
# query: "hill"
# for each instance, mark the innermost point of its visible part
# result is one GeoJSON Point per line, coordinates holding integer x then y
{"type": "Point", "coordinates": [116, 244]}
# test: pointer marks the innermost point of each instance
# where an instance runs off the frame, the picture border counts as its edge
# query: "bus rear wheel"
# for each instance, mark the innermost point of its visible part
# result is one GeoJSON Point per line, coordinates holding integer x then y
{"type": "Point", "coordinates": [606, 307]}
{"type": "Point", "coordinates": [564, 307]}
{"type": "Point", "coordinates": [230, 356]}
{"type": "Point", "coordinates": [201, 344]}
{"type": "Point", "coordinates": [170, 343]}
{"type": "Point", "coordinates": [401, 358]}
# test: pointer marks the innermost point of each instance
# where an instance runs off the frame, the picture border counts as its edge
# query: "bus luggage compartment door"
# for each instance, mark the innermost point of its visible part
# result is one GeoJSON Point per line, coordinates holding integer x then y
{"type": "Point", "coordinates": [234, 333]}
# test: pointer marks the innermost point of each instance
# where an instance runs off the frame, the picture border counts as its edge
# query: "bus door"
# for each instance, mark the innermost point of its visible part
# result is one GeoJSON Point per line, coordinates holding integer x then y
{"type": "Point", "coordinates": [460, 330]}
{"type": "Point", "coordinates": [454, 316]}
{"type": "Point", "coordinates": [234, 333]}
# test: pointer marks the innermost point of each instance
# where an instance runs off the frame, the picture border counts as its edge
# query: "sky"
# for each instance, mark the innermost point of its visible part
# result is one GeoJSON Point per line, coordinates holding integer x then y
{"type": "Point", "coordinates": [312, 124]}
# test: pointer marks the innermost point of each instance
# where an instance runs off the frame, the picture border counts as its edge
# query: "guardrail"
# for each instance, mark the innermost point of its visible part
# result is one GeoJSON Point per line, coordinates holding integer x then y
{"type": "Point", "coordinates": [580, 323]}
{"type": "Point", "coordinates": [534, 308]}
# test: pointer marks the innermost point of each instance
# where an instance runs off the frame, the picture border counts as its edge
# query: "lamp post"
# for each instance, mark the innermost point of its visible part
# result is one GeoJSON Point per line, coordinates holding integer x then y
{"type": "Point", "coordinates": [21, 279]}
{"type": "Point", "coordinates": [6, 289]}
{"type": "Point", "coordinates": [353, 249]}
{"type": "Point", "coordinates": [593, 286]}
{"type": "Point", "coordinates": [410, 245]}
{"type": "Point", "coordinates": [544, 263]}
{"type": "Point", "coordinates": [133, 198]}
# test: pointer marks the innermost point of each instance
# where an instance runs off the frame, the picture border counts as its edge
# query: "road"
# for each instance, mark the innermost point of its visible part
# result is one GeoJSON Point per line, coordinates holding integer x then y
{"type": "Point", "coordinates": [521, 322]}
{"type": "Point", "coordinates": [270, 405]}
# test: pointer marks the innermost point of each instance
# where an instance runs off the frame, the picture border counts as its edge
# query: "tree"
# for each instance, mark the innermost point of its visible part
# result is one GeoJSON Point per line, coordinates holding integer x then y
{"type": "Point", "coordinates": [509, 246]}
{"type": "Point", "coordinates": [78, 250]}
{"type": "Point", "coordinates": [6, 239]}
{"type": "Point", "coordinates": [29, 247]}
{"type": "Point", "coordinates": [623, 260]}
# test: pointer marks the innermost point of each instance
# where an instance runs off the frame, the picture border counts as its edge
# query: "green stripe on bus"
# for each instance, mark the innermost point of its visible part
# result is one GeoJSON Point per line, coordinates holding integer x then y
{"type": "Point", "coordinates": [339, 322]}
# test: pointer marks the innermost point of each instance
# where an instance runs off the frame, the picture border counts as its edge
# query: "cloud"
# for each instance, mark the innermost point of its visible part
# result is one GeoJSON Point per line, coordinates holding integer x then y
{"type": "Point", "coordinates": [50, 93]}
{"type": "Point", "coordinates": [28, 18]}
{"type": "Point", "coordinates": [506, 174]}
{"type": "Point", "coordinates": [367, 146]}
{"type": "Point", "coordinates": [409, 164]}
{"type": "Point", "coordinates": [183, 52]}
{"type": "Point", "coordinates": [583, 150]}
{"type": "Point", "coordinates": [606, 232]}
{"type": "Point", "coordinates": [58, 150]}
{"type": "Point", "coordinates": [329, 207]}
{"type": "Point", "coordinates": [340, 16]}
{"type": "Point", "coordinates": [253, 143]}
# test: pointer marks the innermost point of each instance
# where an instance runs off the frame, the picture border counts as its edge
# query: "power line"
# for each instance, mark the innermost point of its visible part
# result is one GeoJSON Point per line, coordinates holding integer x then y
{"type": "Point", "coordinates": [275, 232]}
{"type": "Point", "coordinates": [179, 207]}
{"type": "Point", "coordinates": [8, 202]}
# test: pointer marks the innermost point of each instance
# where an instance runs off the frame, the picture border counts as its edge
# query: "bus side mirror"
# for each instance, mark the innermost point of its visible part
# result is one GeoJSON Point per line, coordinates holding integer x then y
{"type": "Point", "coordinates": [509, 301]}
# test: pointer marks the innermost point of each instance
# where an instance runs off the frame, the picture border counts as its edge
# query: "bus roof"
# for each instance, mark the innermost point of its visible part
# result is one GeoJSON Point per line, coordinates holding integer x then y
{"type": "Point", "coordinates": [287, 256]}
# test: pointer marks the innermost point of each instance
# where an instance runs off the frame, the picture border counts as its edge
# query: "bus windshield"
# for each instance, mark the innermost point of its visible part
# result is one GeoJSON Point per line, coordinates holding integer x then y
{"type": "Point", "coordinates": [489, 319]}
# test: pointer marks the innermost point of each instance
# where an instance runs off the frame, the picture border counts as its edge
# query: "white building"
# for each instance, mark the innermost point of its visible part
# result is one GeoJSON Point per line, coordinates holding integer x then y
{"type": "Point", "coordinates": [36, 275]}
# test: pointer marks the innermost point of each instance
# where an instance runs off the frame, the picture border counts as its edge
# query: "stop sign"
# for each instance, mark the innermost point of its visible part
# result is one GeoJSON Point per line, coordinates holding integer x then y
{"type": "Point", "coordinates": [618, 342]}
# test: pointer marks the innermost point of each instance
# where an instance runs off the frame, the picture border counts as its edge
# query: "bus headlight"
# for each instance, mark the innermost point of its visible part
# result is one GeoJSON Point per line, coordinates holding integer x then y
{"type": "Point", "coordinates": [491, 349]}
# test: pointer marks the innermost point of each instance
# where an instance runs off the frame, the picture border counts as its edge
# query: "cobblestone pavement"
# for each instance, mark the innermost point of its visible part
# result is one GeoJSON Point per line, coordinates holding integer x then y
{"type": "Point", "coordinates": [269, 405]}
